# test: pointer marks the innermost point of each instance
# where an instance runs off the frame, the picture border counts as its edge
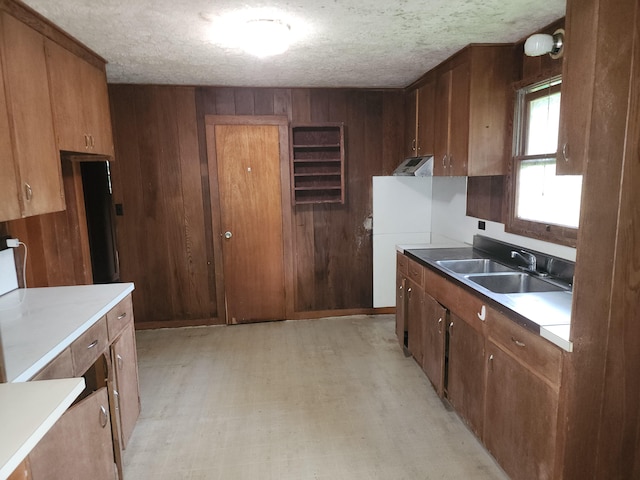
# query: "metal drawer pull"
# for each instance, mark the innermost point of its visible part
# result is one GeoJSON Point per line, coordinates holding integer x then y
{"type": "Point", "coordinates": [92, 344]}
{"type": "Point", "coordinates": [483, 313]}
{"type": "Point", "coordinates": [120, 317]}
{"type": "Point", "coordinates": [116, 395]}
{"type": "Point", "coordinates": [28, 191]}
{"type": "Point", "coordinates": [517, 342]}
{"type": "Point", "coordinates": [409, 289]}
{"type": "Point", "coordinates": [104, 417]}
{"type": "Point", "coordinates": [119, 359]}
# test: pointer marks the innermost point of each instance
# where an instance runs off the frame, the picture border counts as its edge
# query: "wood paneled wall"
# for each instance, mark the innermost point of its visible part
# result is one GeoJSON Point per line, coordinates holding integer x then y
{"type": "Point", "coordinates": [160, 178]}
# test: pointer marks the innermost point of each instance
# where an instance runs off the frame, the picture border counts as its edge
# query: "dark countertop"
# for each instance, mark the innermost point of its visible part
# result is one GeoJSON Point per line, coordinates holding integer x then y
{"type": "Point", "coordinates": [545, 313]}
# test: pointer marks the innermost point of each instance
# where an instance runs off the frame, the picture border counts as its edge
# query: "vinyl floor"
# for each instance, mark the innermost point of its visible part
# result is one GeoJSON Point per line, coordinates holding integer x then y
{"type": "Point", "coordinates": [323, 399]}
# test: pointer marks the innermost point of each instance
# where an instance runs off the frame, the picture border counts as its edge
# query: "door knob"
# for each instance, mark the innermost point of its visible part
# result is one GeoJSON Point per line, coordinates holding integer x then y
{"type": "Point", "coordinates": [227, 235]}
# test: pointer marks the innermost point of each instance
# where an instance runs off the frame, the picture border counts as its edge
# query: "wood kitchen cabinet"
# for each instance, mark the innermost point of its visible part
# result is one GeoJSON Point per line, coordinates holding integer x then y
{"type": "Point", "coordinates": [578, 83]}
{"type": "Point", "coordinates": [9, 199]}
{"type": "Point", "coordinates": [502, 379]}
{"type": "Point", "coordinates": [420, 119]}
{"type": "Point", "coordinates": [79, 444]}
{"type": "Point", "coordinates": [401, 308]}
{"type": "Point", "coordinates": [125, 365]}
{"type": "Point", "coordinates": [80, 103]}
{"type": "Point", "coordinates": [472, 111]}
{"type": "Point", "coordinates": [465, 373]}
{"type": "Point", "coordinates": [433, 342]}
{"type": "Point", "coordinates": [415, 304]}
{"type": "Point", "coordinates": [37, 167]}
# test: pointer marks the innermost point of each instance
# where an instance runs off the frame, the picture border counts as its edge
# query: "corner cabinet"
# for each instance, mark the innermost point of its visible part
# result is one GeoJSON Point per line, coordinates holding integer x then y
{"type": "Point", "coordinates": [317, 163]}
{"type": "Point", "coordinates": [472, 111]}
{"type": "Point", "coordinates": [35, 167]}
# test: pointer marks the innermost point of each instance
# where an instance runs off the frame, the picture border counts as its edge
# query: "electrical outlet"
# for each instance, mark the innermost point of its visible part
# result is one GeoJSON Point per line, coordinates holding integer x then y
{"type": "Point", "coordinates": [481, 225]}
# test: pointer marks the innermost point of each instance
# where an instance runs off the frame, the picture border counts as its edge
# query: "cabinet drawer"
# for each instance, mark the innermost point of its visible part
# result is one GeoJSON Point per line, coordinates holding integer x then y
{"type": "Point", "coordinates": [88, 347]}
{"type": "Point", "coordinates": [470, 308]}
{"type": "Point", "coordinates": [119, 317]}
{"type": "Point", "coordinates": [439, 288]}
{"type": "Point", "coordinates": [537, 354]}
{"type": "Point", "coordinates": [403, 263]}
{"type": "Point", "coordinates": [415, 272]}
{"type": "Point", "coordinates": [59, 367]}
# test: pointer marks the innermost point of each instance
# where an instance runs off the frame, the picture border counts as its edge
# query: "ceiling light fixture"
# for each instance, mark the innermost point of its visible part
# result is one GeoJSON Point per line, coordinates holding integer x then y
{"type": "Point", "coordinates": [541, 43]}
{"type": "Point", "coordinates": [265, 37]}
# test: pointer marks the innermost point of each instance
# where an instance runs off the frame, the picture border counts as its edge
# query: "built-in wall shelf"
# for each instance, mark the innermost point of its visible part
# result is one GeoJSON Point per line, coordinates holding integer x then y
{"type": "Point", "coordinates": [317, 163]}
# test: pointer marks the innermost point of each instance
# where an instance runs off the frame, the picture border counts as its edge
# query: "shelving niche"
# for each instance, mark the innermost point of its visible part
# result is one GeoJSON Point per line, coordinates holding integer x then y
{"type": "Point", "coordinates": [317, 163]}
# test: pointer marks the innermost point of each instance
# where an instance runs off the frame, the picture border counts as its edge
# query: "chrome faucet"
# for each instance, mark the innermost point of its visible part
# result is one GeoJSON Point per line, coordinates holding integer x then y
{"type": "Point", "coordinates": [528, 257]}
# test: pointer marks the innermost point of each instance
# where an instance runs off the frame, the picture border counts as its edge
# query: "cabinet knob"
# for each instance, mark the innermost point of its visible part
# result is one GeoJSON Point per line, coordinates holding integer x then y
{"type": "Point", "coordinates": [413, 145]}
{"type": "Point", "coordinates": [104, 416]}
{"type": "Point", "coordinates": [121, 316]}
{"type": "Point", "coordinates": [518, 342]}
{"type": "Point", "coordinates": [28, 191]}
{"type": "Point", "coordinates": [228, 235]}
{"type": "Point", "coordinates": [409, 290]}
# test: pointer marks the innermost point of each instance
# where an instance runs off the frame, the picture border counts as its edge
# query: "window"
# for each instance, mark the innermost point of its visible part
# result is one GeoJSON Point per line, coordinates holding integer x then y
{"type": "Point", "coordinates": [544, 205]}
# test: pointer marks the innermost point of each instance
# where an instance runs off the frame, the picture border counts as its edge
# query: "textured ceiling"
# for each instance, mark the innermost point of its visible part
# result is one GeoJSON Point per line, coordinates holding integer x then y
{"type": "Point", "coordinates": [348, 43]}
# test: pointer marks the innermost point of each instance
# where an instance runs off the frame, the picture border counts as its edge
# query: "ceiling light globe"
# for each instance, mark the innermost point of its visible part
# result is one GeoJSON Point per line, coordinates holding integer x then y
{"type": "Point", "coordinates": [265, 37]}
{"type": "Point", "coordinates": [538, 44]}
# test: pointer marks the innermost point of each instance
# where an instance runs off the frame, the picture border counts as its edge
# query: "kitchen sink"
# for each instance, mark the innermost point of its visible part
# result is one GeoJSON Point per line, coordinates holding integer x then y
{"type": "Point", "coordinates": [474, 265]}
{"type": "Point", "coordinates": [513, 283]}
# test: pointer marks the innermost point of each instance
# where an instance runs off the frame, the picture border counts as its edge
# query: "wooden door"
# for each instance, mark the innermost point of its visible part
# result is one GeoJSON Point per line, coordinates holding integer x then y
{"type": "Point", "coordinates": [426, 120]}
{"type": "Point", "coordinates": [31, 118]}
{"type": "Point", "coordinates": [415, 302]}
{"type": "Point", "coordinates": [79, 445]}
{"type": "Point", "coordinates": [249, 184]}
{"type": "Point", "coordinates": [401, 307]}
{"type": "Point", "coordinates": [441, 128]}
{"type": "Point", "coordinates": [123, 356]}
{"type": "Point", "coordinates": [410, 123]}
{"type": "Point", "coordinates": [433, 341]}
{"type": "Point", "coordinates": [9, 200]}
{"type": "Point", "coordinates": [521, 418]}
{"type": "Point", "coordinates": [466, 379]}
{"type": "Point", "coordinates": [459, 120]}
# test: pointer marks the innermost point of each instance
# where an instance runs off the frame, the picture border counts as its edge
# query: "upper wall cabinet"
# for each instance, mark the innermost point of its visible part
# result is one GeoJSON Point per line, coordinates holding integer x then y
{"type": "Point", "coordinates": [36, 164]}
{"type": "Point", "coordinates": [578, 75]}
{"type": "Point", "coordinates": [419, 120]}
{"type": "Point", "coordinates": [80, 103]}
{"type": "Point", "coordinates": [472, 110]}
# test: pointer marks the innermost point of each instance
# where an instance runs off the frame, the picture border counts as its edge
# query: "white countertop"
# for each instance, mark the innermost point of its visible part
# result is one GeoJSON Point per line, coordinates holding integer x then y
{"type": "Point", "coordinates": [27, 412]}
{"type": "Point", "coordinates": [37, 324]}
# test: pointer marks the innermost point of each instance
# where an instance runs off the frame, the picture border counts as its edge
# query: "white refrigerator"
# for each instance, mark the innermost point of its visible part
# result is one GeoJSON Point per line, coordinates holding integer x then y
{"type": "Point", "coordinates": [401, 215]}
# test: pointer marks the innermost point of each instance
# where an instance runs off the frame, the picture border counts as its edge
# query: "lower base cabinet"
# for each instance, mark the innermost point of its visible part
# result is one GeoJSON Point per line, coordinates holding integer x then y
{"type": "Point", "coordinates": [501, 379]}
{"type": "Point", "coordinates": [125, 365]}
{"type": "Point", "coordinates": [433, 342]}
{"type": "Point", "coordinates": [521, 417]}
{"type": "Point", "coordinates": [465, 373]}
{"type": "Point", "coordinates": [79, 445]}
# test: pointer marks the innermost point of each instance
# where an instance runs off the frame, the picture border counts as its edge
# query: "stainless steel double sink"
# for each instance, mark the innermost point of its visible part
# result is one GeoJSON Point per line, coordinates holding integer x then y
{"type": "Point", "coordinates": [498, 278]}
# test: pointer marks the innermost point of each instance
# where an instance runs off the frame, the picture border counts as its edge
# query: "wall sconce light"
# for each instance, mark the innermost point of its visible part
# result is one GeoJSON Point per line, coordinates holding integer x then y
{"type": "Point", "coordinates": [541, 43]}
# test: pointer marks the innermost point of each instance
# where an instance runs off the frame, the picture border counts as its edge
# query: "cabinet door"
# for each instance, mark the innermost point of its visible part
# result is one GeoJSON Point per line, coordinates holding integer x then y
{"type": "Point", "coordinates": [459, 120]}
{"type": "Point", "coordinates": [401, 308]}
{"type": "Point", "coordinates": [426, 120]}
{"type": "Point", "coordinates": [410, 123]}
{"type": "Point", "coordinates": [433, 342]}
{"type": "Point", "coordinates": [441, 128]}
{"type": "Point", "coordinates": [65, 77]}
{"type": "Point", "coordinates": [80, 103]}
{"type": "Point", "coordinates": [521, 418]}
{"type": "Point", "coordinates": [79, 445]}
{"type": "Point", "coordinates": [97, 113]}
{"type": "Point", "coordinates": [123, 356]}
{"type": "Point", "coordinates": [9, 199]}
{"type": "Point", "coordinates": [31, 118]}
{"type": "Point", "coordinates": [578, 74]}
{"type": "Point", "coordinates": [415, 303]}
{"type": "Point", "coordinates": [466, 372]}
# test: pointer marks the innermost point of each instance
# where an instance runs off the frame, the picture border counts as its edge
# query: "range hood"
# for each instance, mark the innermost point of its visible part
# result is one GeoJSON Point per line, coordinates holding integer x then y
{"type": "Point", "coordinates": [416, 167]}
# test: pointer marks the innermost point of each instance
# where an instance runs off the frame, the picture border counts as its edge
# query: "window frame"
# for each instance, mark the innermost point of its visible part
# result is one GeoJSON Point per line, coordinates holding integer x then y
{"type": "Point", "coordinates": [549, 232]}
